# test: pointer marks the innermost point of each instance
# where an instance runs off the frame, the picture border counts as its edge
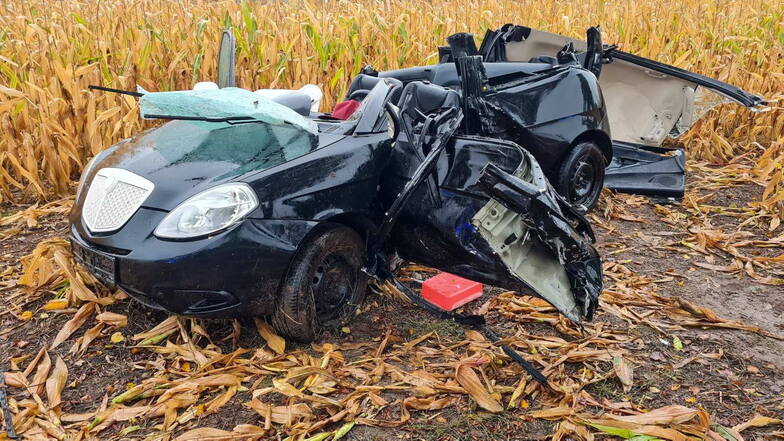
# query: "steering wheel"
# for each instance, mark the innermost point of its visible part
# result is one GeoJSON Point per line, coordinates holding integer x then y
{"type": "Point", "coordinates": [393, 117]}
{"type": "Point", "coordinates": [359, 94]}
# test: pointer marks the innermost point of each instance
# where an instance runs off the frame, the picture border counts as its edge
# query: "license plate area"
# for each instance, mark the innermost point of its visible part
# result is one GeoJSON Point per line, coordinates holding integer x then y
{"type": "Point", "coordinates": [102, 266]}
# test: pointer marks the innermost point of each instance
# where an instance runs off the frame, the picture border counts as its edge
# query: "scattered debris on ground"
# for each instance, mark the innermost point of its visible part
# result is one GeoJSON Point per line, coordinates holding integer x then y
{"type": "Point", "coordinates": [663, 357]}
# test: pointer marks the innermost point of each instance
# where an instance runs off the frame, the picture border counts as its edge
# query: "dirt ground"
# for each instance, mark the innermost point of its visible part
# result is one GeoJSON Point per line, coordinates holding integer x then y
{"type": "Point", "coordinates": [731, 296]}
{"type": "Point", "coordinates": [743, 381]}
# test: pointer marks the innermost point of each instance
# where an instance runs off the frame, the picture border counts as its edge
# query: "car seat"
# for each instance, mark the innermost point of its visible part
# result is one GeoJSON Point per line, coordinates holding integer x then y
{"type": "Point", "coordinates": [419, 101]}
{"type": "Point", "coordinates": [360, 86]}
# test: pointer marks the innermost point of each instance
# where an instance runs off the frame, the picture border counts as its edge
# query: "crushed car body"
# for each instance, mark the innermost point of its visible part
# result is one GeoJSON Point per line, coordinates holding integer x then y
{"type": "Point", "coordinates": [253, 203]}
{"type": "Point", "coordinates": [647, 102]}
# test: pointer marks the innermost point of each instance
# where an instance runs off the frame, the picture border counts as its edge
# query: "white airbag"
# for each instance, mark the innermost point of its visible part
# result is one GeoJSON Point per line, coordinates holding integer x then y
{"type": "Point", "coordinates": [311, 90]}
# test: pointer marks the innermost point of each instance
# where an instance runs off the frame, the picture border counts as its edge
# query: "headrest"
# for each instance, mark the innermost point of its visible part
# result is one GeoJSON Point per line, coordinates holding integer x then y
{"type": "Point", "coordinates": [427, 98]}
{"type": "Point", "coordinates": [296, 101]}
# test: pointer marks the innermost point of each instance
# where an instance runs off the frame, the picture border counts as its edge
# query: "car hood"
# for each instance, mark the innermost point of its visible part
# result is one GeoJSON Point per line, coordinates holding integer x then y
{"type": "Point", "coordinates": [183, 158]}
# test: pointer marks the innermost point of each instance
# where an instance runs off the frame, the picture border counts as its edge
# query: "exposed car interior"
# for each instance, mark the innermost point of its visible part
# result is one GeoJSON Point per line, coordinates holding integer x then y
{"type": "Point", "coordinates": [306, 100]}
{"type": "Point", "coordinates": [646, 102]}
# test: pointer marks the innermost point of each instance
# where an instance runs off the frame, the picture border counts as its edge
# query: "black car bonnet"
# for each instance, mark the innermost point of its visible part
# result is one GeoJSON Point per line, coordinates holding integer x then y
{"type": "Point", "coordinates": [184, 157]}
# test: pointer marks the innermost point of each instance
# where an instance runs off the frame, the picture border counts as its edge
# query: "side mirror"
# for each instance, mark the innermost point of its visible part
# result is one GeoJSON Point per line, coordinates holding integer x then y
{"type": "Point", "coordinates": [228, 46]}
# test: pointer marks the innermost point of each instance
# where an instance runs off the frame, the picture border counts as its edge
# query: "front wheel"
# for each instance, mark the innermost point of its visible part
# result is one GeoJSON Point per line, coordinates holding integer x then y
{"type": "Point", "coordinates": [324, 284]}
{"type": "Point", "coordinates": [581, 176]}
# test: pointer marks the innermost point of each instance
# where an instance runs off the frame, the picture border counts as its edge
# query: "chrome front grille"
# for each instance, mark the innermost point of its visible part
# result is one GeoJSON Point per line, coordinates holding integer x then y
{"type": "Point", "coordinates": [114, 196]}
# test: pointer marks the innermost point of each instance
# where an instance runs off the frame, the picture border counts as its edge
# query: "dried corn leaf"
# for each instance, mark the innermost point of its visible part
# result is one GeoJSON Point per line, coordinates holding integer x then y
{"type": "Point", "coordinates": [198, 384]}
{"type": "Point", "coordinates": [117, 414]}
{"type": "Point", "coordinates": [88, 337]}
{"type": "Point", "coordinates": [78, 288]}
{"type": "Point", "coordinates": [275, 342]}
{"type": "Point", "coordinates": [249, 429]}
{"type": "Point", "coordinates": [624, 372]}
{"type": "Point", "coordinates": [553, 413]}
{"type": "Point", "coordinates": [221, 399]}
{"type": "Point", "coordinates": [170, 324]}
{"type": "Point", "coordinates": [56, 383]}
{"type": "Point", "coordinates": [469, 380]}
{"type": "Point", "coordinates": [757, 421]}
{"type": "Point", "coordinates": [15, 379]}
{"type": "Point", "coordinates": [428, 403]}
{"type": "Point", "coordinates": [41, 374]}
{"type": "Point", "coordinates": [76, 417]}
{"type": "Point", "coordinates": [517, 393]}
{"type": "Point", "coordinates": [286, 415]}
{"type": "Point", "coordinates": [674, 414]}
{"type": "Point", "coordinates": [208, 433]}
{"type": "Point", "coordinates": [112, 319]}
{"type": "Point", "coordinates": [72, 325]}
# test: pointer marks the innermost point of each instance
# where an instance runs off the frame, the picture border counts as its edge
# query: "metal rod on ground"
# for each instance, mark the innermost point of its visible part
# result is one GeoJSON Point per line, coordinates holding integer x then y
{"type": "Point", "coordinates": [476, 321]}
{"type": "Point", "coordinates": [514, 355]}
{"type": "Point", "coordinates": [9, 422]}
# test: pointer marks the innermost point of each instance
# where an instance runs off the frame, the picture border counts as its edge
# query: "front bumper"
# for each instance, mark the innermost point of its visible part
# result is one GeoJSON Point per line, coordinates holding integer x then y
{"type": "Point", "coordinates": [235, 272]}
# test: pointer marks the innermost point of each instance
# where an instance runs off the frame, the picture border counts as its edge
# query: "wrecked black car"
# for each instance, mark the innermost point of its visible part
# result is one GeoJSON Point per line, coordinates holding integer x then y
{"type": "Point", "coordinates": [255, 203]}
{"type": "Point", "coordinates": [646, 102]}
{"type": "Point", "coordinates": [536, 91]}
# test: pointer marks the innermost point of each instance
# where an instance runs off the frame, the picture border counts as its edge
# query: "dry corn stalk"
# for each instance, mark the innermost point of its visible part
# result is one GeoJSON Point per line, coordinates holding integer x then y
{"type": "Point", "coordinates": [50, 124]}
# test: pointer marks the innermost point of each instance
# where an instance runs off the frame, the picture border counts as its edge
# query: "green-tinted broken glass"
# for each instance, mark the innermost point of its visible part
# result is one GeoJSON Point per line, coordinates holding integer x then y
{"type": "Point", "coordinates": [229, 102]}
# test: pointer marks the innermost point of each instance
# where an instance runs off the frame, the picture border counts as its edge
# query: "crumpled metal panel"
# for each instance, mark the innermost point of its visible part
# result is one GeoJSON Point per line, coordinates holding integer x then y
{"type": "Point", "coordinates": [560, 231]}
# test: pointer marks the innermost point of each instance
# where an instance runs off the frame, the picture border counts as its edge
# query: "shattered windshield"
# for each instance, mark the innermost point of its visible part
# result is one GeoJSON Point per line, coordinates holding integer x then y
{"type": "Point", "coordinates": [227, 103]}
{"type": "Point", "coordinates": [247, 147]}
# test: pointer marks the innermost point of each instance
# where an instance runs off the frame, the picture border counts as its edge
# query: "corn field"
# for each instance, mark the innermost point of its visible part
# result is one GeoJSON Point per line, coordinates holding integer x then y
{"type": "Point", "coordinates": [50, 51]}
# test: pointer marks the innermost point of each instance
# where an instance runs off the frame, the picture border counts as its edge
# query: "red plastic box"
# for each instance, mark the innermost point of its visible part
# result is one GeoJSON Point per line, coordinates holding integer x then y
{"type": "Point", "coordinates": [448, 291]}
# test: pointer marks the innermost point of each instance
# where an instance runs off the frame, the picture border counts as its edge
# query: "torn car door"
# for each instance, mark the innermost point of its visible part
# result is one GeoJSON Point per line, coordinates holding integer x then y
{"type": "Point", "coordinates": [485, 211]}
{"type": "Point", "coordinates": [646, 101]}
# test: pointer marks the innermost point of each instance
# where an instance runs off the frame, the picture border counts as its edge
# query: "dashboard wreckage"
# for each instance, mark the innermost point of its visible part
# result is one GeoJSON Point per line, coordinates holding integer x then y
{"type": "Point", "coordinates": [255, 203]}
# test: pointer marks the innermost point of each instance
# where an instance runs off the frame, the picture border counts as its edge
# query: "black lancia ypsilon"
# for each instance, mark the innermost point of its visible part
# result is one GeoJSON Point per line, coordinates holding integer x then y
{"type": "Point", "coordinates": [255, 203]}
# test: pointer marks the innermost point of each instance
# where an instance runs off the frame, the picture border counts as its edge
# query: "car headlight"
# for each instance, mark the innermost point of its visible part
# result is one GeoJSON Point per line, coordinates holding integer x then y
{"type": "Point", "coordinates": [208, 212]}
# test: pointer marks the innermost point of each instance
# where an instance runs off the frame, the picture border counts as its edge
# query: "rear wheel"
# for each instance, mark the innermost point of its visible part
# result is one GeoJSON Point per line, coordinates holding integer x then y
{"type": "Point", "coordinates": [324, 284]}
{"type": "Point", "coordinates": [581, 176]}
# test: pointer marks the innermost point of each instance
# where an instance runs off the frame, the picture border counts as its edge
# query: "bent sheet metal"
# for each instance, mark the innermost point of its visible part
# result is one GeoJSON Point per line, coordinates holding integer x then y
{"type": "Point", "coordinates": [647, 103]}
